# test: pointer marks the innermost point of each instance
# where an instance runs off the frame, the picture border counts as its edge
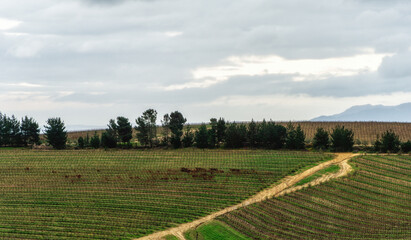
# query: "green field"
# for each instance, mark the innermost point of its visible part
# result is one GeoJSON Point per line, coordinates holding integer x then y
{"type": "Point", "coordinates": [97, 194]}
{"type": "Point", "coordinates": [328, 170]}
{"type": "Point", "coordinates": [373, 203]}
{"type": "Point", "coordinates": [214, 230]}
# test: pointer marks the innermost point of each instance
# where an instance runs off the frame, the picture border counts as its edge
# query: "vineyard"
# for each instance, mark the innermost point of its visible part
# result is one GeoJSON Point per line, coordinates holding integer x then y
{"type": "Point", "coordinates": [364, 132]}
{"type": "Point", "coordinates": [373, 203]}
{"type": "Point", "coordinates": [97, 194]}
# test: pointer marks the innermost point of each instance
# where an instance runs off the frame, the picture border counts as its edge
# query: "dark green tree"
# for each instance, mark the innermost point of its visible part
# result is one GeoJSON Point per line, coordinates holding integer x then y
{"type": "Point", "coordinates": [390, 142]}
{"type": "Point", "coordinates": [124, 129]}
{"type": "Point", "coordinates": [406, 146]}
{"type": "Point", "coordinates": [110, 137]}
{"type": "Point", "coordinates": [188, 138]}
{"type": "Point", "coordinates": [80, 142]}
{"type": "Point", "coordinates": [165, 124]}
{"type": "Point", "coordinates": [212, 133]}
{"type": "Point", "coordinates": [201, 137]}
{"type": "Point", "coordinates": [55, 132]}
{"type": "Point", "coordinates": [87, 141]}
{"type": "Point", "coordinates": [176, 127]}
{"type": "Point", "coordinates": [295, 137]}
{"type": "Point", "coordinates": [147, 128]}
{"type": "Point", "coordinates": [221, 128]}
{"type": "Point", "coordinates": [252, 134]}
{"type": "Point", "coordinates": [342, 139]}
{"type": "Point", "coordinates": [30, 131]}
{"type": "Point", "coordinates": [290, 142]}
{"type": "Point", "coordinates": [95, 141]}
{"type": "Point", "coordinates": [321, 139]}
{"type": "Point", "coordinates": [108, 140]}
{"type": "Point", "coordinates": [14, 128]}
{"type": "Point", "coordinates": [2, 130]}
{"type": "Point", "coordinates": [236, 135]}
{"type": "Point", "coordinates": [271, 135]}
{"type": "Point", "coordinates": [262, 136]}
{"type": "Point", "coordinates": [10, 133]}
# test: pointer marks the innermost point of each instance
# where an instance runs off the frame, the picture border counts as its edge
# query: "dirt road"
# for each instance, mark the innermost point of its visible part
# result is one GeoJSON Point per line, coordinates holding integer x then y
{"type": "Point", "coordinates": [284, 187]}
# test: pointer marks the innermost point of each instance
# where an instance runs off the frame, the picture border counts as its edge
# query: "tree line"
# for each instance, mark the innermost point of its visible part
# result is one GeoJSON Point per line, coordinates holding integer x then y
{"type": "Point", "coordinates": [176, 133]}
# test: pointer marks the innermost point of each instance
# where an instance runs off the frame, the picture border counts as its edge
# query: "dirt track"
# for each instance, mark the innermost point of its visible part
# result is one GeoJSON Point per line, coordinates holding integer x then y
{"type": "Point", "coordinates": [284, 187]}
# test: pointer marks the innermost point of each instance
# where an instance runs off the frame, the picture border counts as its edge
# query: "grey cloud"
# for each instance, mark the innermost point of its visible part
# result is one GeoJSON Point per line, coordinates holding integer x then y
{"type": "Point", "coordinates": [121, 48]}
{"type": "Point", "coordinates": [397, 66]}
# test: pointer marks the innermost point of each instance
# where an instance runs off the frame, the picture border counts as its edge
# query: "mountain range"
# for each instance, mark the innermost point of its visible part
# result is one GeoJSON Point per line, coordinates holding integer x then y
{"type": "Point", "coordinates": [378, 113]}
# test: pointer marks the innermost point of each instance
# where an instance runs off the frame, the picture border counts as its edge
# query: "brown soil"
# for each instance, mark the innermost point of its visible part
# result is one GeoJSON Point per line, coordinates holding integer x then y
{"type": "Point", "coordinates": [284, 187]}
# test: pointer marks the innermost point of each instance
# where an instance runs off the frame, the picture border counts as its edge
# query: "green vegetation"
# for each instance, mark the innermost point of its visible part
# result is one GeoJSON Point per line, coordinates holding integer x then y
{"type": "Point", "coordinates": [373, 203]}
{"type": "Point", "coordinates": [171, 237]}
{"type": "Point", "coordinates": [56, 133]}
{"type": "Point", "coordinates": [14, 133]}
{"type": "Point", "coordinates": [97, 194]}
{"type": "Point", "coordinates": [146, 128]}
{"type": "Point", "coordinates": [214, 230]}
{"type": "Point", "coordinates": [389, 142]}
{"type": "Point", "coordinates": [321, 139]}
{"type": "Point", "coordinates": [342, 139]}
{"type": "Point", "coordinates": [330, 169]}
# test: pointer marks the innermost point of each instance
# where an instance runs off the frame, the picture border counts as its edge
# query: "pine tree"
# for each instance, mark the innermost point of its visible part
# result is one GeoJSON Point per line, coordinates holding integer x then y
{"type": "Point", "coordinates": [56, 133]}
{"type": "Point", "coordinates": [321, 139]}
{"type": "Point", "coordinates": [201, 137]}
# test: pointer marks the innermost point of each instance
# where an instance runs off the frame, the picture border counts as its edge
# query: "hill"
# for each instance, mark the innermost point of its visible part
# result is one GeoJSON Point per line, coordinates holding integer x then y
{"type": "Point", "coordinates": [98, 194]}
{"type": "Point", "coordinates": [380, 113]}
{"type": "Point", "coordinates": [372, 203]}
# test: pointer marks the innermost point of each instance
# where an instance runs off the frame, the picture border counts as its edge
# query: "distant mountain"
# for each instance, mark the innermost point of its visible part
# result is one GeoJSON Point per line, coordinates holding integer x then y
{"type": "Point", "coordinates": [380, 113]}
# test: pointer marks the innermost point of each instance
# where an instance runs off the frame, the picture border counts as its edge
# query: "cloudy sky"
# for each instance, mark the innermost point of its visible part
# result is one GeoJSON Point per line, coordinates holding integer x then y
{"type": "Point", "coordinates": [91, 60]}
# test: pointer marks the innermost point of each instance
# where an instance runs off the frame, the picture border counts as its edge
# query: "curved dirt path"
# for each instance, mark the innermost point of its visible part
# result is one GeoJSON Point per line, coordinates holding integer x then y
{"type": "Point", "coordinates": [284, 187]}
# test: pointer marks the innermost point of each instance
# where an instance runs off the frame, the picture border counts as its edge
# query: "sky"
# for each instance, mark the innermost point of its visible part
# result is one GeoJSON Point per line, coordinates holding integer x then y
{"type": "Point", "coordinates": [88, 61]}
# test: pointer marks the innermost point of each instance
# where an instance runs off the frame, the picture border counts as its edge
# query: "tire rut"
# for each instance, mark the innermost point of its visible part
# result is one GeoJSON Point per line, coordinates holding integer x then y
{"type": "Point", "coordinates": [282, 188]}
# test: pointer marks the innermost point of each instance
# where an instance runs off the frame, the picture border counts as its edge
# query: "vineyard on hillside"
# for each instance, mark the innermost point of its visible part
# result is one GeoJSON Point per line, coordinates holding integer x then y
{"type": "Point", "coordinates": [374, 203]}
{"type": "Point", "coordinates": [365, 133]}
{"type": "Point", "coordinates": [97, 194]}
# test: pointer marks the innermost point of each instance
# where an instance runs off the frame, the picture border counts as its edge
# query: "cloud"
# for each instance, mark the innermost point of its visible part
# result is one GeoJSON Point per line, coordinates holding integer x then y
{"type": "Point", "coordinates": [134, 51]}
{"type": "Point", "coordinates": [7, 24]}
{"type": "Point", "coordinates": [302, 69]}
{"type": "Point", "coordinates": [396, 66]}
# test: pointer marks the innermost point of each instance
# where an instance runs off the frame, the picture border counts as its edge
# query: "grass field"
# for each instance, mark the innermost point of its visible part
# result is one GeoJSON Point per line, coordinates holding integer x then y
{"type": "Point", "coordinates": [97, 194]}
{"type": "Point", "coordinates": [373, 203]}
{"type": "Point", "coordinates": [365, 133]}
